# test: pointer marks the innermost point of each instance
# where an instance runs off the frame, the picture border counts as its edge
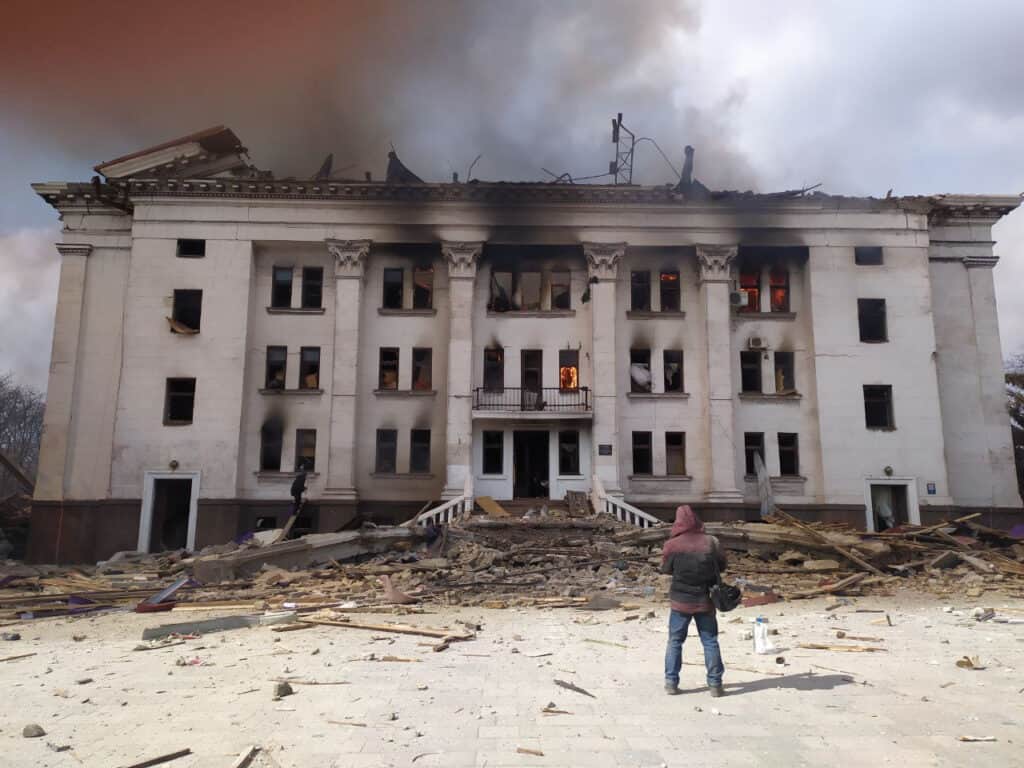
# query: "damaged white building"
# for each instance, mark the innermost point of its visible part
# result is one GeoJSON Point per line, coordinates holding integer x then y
{"type": "Point", "coordinates": [409, 344]}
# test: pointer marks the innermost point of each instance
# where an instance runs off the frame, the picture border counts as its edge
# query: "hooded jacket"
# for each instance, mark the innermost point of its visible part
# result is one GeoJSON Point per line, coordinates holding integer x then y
{"type": "Point", "coordinates": [689, 556]}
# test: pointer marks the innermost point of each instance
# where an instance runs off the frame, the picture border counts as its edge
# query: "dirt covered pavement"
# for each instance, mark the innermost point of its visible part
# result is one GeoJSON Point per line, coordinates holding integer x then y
{"type": "Point", "coordinates": [379, 698]}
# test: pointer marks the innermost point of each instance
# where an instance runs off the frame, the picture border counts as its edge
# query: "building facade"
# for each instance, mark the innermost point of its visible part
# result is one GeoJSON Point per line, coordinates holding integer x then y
{"type": "Point", "coordinates": [218, 330]}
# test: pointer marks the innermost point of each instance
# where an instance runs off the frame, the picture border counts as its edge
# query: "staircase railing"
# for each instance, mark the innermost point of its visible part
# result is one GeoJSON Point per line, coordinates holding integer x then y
{"type": "Point", "coordinates": [619, 509]}
{"type": "Point", "coordinates": [451, 510]}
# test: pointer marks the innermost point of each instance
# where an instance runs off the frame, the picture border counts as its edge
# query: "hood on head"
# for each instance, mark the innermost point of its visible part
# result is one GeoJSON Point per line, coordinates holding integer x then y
{"type": "Point", "coordinates": [686, 521]}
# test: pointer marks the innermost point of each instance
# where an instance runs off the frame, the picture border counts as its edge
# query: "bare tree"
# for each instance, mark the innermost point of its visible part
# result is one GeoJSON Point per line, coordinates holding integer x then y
{"type": "Point", "coordinates": [1015, 405]}
{"type": "Point", "coordinates": [21, 426]}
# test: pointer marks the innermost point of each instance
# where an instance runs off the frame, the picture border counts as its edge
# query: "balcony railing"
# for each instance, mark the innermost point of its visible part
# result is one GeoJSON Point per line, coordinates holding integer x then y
{"type": "Point", "coordinates": [550, 399]}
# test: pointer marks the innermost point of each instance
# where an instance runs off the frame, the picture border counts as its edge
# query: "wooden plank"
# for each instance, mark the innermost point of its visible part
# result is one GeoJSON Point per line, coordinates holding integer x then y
{"type": "Point", "coordinates": [162, 759]}
{"type": "Point", "coordinates": [401, 629]}
{"type": "Point", "coordinates": [245, 757]}
{"type": "Point", "coordinates": [19, 656]}
{"type": "Point", "coordinates": [849, 555]}
{"type": "Point", "coordinates": [829, 589]}
{"type": "Point", "coordinates": [491, 507]}
{"type": "Point", "coordinates": [845, 648]}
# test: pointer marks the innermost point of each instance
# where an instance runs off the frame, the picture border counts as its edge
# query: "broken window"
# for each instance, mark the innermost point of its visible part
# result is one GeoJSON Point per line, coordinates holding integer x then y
{"type": "Point", "coordinates": [878, 406]}
{"type": "Point", "coordinates": [675, 453]}
{"type": "Point", "coordinates": [867, 255]}
{"type": "Point", "coordinates": [785, 382]}
{"type": "Point", "coordinates": [191, 249]}
{"type": "Point", "coordinates": [422, 369]}
{"type": "Point", "coordinates": [271, 441]}
{"type": "Point", "coordinates": [568, 369]}
{"type": "Point", "coordinates": [753, 443]}
{"type": "Point", "coordinates": [789, 454]}
{"type": "Point", "coordinates": [419, 450]}
{"type": "Point", "coordinates": [569, 452]}
{"type": "Point", "coordinates": [277, 365]}
{"type": "Point", "coordinates": [388, 373]}
{"type": "Point", "coordinates": [312, 287]}
{"type": "Point", "coordinates": [305, 450]}
{"type": "Point", "coordinates": [872, 321]}
{"type": "Point", "coordinates": [670, 292]}
{"type": "Point", "coordinates": [750, 371]}
{"type": "Point", "coordinates": [309, 368]}
{"type": "Point", "coordinates": [778, 289]}
{"type": "Point", "coordinates": [494, 369]}
{"type": "Point", "coordinates": [528, 292]}
{"type": "Point", "coordinates": [281, 291]}
{"type": "Point", "coordinates": [673, 365]}
{"type": "Point", "coordinates": [179, 401]}
{"type": "Point", "coordinates": [750, 286]}
{"type": "Point", "coordinates": [560, 289]}
{"type": "Point", "coordinates": [392, 298]}
{"type": "Point", "coordinates": [387, 450]}
{"type": "Point", "coordinates": [642, 463]}
{"type": "Point", "coordinates": [423, 287]}
{"type": "Point", "coordinates": [188, 310]}
{"type": "Point", "coordinates": [501, 292]}
{"type": "Point", "coordinates": [639, 370]}
{"type": "Point", "coordinates": [640, 291]}
{"type": "Point", "coordinates": [494, 450]}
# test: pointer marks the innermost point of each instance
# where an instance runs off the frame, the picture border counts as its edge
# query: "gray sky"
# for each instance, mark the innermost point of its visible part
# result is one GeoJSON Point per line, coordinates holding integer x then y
{"type": "Point", "coordinates": [919, 97]}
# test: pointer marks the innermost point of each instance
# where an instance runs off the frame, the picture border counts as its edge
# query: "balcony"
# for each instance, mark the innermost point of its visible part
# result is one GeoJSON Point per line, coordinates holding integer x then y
{"type": "Point", "coordinates": [520, 403]}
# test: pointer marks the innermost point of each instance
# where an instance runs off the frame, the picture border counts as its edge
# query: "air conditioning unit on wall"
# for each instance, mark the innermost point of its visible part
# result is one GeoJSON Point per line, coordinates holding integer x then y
{"type": "Point", "coordinates": [756, 342]}
{"type": "Point", "coordinates": [737, 298]}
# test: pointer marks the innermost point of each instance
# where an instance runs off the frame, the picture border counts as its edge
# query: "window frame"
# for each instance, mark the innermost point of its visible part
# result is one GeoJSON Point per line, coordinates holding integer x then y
{"type": "Point", "coordinates": [418, 291]}
{"type": "Point", "coordinates": [177, 308]}
{"type": "Point", "coordinates": [868, 256]}
{"type": "Point", "coordinates": [636, 356]}
{"type": "Point", "coordinates": [384, 366]}
{"type": "Point", "coordinates": [640, 287]}
{"type": "Point", "coordinates": [669, 449]}
{"type": "Point", "coordinates": [493, 299]}
{"type": "Point", "coordinates": [421, 364]}
{"type": "Point", "coordinates": [301, 437]}
{"type": "Point", "coordinates": [170, 397]}
{"type": "Point", "coordinates": [880, 394]}
{"type": "Point", "coordinates": [304, 367]}
{"type": "Point", "coordinates": [866, 307]}
{"type": "Point", "coordinates": [312, 288]}
{"type": "Point", "coordinates": [497, 445]}
{"type": "Point", "coordinates": [416, 450]}
{"type": "Point", "coordinates": [750, 447]}
{"type": "Point", "coordinates": [675, 290]}
{"type": "Point", "coordinates": [527, 278]}
{"type": "Point", "coordinates": [494, 369]}
{"type": "Point", "coordinates": [277, 287]}
{"type": "Point", "coordinates": [785, 353]}
{"type": "Point", "coordinates": [271, 438]}
{"type": "Point", "coordinates": [638, 449]}
{"type": "Point", "coordinates": [751, 289]}
{"type": "Point", "coordinates": [779, 296]}
{"type": "Point", "coordinates": [387, 439]}
{"type": "Point", "coordinates": [792, 451]}
{"type": "Point", "coordinates": [190, 244]}
{"type": "Point", "coordinates": [556, 289]}
{"type": "Point", "coordinates": [665, 363]}
{"type": "Point", "coordinates": [747, 364]}
{"type": "Point", "coordinates": [268, 382]}
{"type": "Point", "coordinates": [569, 463]}
{"type": "Point", "coordinates": [387, 288]}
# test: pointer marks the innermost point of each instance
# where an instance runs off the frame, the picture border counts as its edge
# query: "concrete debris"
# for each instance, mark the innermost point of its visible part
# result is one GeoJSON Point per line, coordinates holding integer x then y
{"type": "Point", "coordinates": [32, 731]}
{"type": "Point", "coordinates": [282, 689]}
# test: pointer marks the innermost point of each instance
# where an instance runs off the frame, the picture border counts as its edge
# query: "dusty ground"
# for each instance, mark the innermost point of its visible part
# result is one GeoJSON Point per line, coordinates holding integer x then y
{"type": "Point", "coordinates": [476, 703]}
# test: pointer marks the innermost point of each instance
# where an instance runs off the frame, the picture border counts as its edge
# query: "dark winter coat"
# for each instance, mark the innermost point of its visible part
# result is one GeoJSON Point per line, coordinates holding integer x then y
{"type": "Point", "coordinates": [689, 556]}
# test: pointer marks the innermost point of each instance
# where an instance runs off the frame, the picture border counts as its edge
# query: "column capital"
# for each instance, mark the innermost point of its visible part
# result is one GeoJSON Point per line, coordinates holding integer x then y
{"type": "Point", "coordinates": [74, 249]}
{"type": "Point", "coordinates": [462, 257]}
{"type": "Point", "coordinates": [716, 262]}
{"type": "Point", "coordinates": [349, 256]}
{"type": "Point", "coordinates": [603, 259]}
{"type": "Point", "coordinates": [980, 261]}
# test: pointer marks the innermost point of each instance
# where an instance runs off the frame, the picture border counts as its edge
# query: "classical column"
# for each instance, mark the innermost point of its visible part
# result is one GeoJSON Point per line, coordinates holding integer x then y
{"type": "Point", "coordinates": [715, 263]}
{"type": "Point", "coordinates": [602, 267]}
{"type": "Point", "coordinates": [60, 392]}
{"type": "Point", "coordinates": [462, 259]}
{"type": "Point", "coordinates": [349, 263]}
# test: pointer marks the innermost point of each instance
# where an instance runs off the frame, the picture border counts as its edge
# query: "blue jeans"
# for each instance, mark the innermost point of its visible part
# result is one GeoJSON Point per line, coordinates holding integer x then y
{"type": "Point", "coordinates": [707, 628]}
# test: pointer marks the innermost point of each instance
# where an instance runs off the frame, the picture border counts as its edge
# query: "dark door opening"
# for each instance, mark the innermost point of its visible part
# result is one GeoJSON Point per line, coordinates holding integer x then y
{"type": "Point", "coordinates": [530, 454]}
{"type": "Point", "coordinates": [532, 376]}
{"type": "Point", "coordinates": [169, 526]}
{"type": "Point", "coordinates": [889, 505]}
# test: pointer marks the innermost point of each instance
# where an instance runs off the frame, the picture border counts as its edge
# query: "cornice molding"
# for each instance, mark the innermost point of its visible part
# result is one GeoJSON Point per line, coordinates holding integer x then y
{"type": "Point", "coordinates": [349, 257]}
{"type": "Point", "coordinates": [74, 249]}
{"type": "Point", "coordinates": [603, 259]}
{"type": "Point", "coordinates": [716, 262]}
{"type": "Point", "coordinates": [462, 257]}
{"type": "Point", "coordinates": [981, 261]}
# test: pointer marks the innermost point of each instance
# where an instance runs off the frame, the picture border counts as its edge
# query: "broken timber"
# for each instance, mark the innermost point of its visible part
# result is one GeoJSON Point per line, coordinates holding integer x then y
{"type": "Point", "coordinates": [402, 629]}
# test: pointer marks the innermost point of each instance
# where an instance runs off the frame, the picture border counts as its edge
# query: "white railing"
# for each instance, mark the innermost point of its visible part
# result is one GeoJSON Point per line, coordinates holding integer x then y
{"type": "Point", "coordinates": [619, 509]}
{"type": "Point", "coordinates": [451, 510]}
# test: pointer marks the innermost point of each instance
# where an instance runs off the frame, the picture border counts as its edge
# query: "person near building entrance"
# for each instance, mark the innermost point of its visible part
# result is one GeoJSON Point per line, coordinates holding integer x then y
{"type": "Point", "coordinates": [694, 561]}
{"type": "Point", "coordinates": [298, 488]}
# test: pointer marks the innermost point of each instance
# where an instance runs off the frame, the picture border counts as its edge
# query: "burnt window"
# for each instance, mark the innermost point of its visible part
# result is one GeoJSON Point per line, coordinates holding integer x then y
{"type": "Point", "coordinates": [277, 366]}
{"type": "Point", "coordinates": [188, 310]}
{"type": "Point", "coordinates": [673, 369]}
{"type": "Point", "coordinates": [388, 373]}
{"type": "Point", "coordinates": [872, 321]}
{"type": "Point", "coordinates": [305, 450]}
{"type": "Point", "coordinates": [640, 291]}
{"type": "Point", "coordinates": [878, 406]}
{"type": "Point", "coordinates": [494, 369]}
{"type": "Point", "coordinates": [569, 452]}
{"type": "Point", "coordinates": [560, 289]}
{"type": "Point", "coordinates": [568, 369]}
{"type": "Point", "coordinates": [750, 371]}
{"type": "Point", "coordinates": [753, 444]}
{"type": "Point", "coordinates": [191, 249]}
{"type": "Point", "coordinates": [422, 369]}
{"type": "Point", "coordinates": [392, 298]}
{"type": "Point", "coordinates": [642, 463]}
{"type": "Point", "coordinates": [387, 450]}
{"type": "Point", "coordinates": [309, 368]}
{"type": "Point", "coordinates": [281, 290]}
{"type": "Point", "coordinates": [785, 380]}
{"type": "Point", "coordinates": [179, 401]}
{"type": "Point", "coordinates": [789, 454]}
{"type": "Point", "coordinates": [867, 255]}
{"type": "Point", "coordinates": [312, 287]}
{"type": "Point", "coordinates": [639, 370]}
{"type": "Point", "coordinates": [669, 291]}
{"type": "Point", "coordinates": [423, 288]}
{"type": "Point", "coordinates": [494, 452]}
{"type": "Point", "coordinates": [501, 292]}
{"type": "Point", "coordinates": [529, 291]}
{"type": "Point", "coordinates": [675, 453]}
{"type": "Point", "coordinates": [271, 441]}
{"type": "Point", "coordinates": [778, 289]}
{"type": "Point", "coordinates": [750, 286]}
{"type": "Point", "coordinates": [419, 450]}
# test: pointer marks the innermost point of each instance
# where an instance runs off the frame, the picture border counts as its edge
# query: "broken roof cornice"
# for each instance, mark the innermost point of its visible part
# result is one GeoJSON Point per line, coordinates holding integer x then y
{"type": "Point", "coordinates": [989, 208]}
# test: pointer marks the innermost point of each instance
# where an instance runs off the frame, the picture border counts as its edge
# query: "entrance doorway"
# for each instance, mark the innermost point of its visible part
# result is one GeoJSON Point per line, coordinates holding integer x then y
{"type": "Point", "coordinates": [530, 457]}
{"type": "Point", "coordinates": [169, 508]}
{"type": "Point", "coordinates": [889, 506]}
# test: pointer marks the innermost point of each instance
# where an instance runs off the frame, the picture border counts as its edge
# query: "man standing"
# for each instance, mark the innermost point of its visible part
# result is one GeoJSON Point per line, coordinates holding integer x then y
{"type": "Point", "coordinates": [691, 556]}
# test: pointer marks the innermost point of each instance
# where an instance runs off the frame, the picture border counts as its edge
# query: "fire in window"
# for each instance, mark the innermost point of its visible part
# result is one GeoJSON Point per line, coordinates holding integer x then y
{"type": "Point", "coordinates": [392, 298]}
{"type": "Point", "coordinates": [670, 292]}
{"type": "Point", "coordinates": [387, 450]}
{"type": "Point", "coordinates": [639, 370]}
{"type": "Point", "coordinates": [778, 285]}
{"type": "Point", "coordinates": [750, 285]}
{"type": "Point", "coordinates": [281, 290]}
{"type": "Point", "coordinates": [187, 311]}
{"type": "Point", "coordinates": [568, 369]}
{"type": "Point", "coordinates": [423, 288]}
{"type": "Point", "coordinates": [179, 401]}
{"type": "Point", "coordinates": [305, 450]}
{"type": "Point", "coordinates": [277, 364]}
{"type": "Point", "coordinates": [388, 375]}
{"type": "Point", "coordinates": [312, 287]}
{"type": "Point", "coordinates": [421, 369]}
{"type": "Point", "coordinates": [309, 368]}
{"type": "Point", "coordinates": [419, 450]}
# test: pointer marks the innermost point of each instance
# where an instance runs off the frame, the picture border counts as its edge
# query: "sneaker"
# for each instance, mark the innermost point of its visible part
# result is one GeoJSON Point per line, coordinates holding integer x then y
{"type": "Point", "coordinates": [672, 690]}
{"type": "Point", "coordinates": [717, 691]}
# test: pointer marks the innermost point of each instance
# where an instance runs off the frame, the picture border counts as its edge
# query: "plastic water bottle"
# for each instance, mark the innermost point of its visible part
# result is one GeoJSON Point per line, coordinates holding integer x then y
{"type": "Point", "coordinates": [761, 644]}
